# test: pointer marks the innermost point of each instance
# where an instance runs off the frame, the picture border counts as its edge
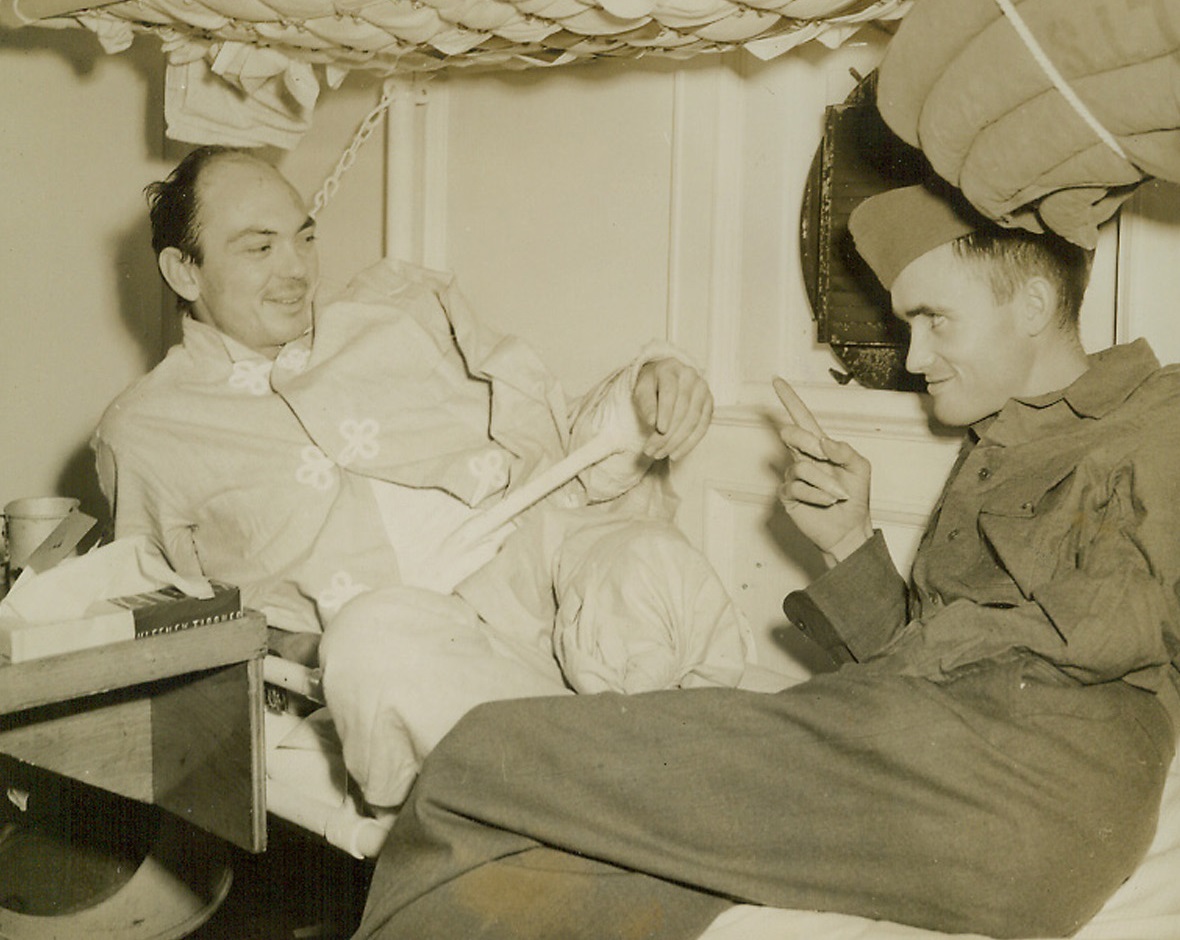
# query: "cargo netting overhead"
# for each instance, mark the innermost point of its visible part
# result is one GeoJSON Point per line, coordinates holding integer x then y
{"type": "Point", "coordinates": [274, 55]}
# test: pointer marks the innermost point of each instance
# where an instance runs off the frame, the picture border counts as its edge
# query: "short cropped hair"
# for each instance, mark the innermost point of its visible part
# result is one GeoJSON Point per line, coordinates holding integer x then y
{"type": "Point", "coordinates": [1015, 255]}
{"type": "Point", "coordinates": [173, 204]}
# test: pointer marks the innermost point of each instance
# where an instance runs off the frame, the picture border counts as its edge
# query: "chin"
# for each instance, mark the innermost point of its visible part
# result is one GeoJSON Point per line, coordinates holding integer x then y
{"type": "Point", "coordinates": [294, 327]}
{"type": "Point", "coordinates": [955, 414]}
{"type": "Point", "coordinates": [960, 414]}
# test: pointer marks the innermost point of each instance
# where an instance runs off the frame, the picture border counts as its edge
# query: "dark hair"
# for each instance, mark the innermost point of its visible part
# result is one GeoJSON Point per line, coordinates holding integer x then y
{"type": "Point", "coordinates": [1015, 255]}
{"type": "Point", "coordinates": [172, 203]}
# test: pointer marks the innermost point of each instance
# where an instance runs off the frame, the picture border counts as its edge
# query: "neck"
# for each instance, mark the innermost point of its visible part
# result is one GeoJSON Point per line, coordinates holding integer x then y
{"type": "Point", "coordinates": [1060, 362]}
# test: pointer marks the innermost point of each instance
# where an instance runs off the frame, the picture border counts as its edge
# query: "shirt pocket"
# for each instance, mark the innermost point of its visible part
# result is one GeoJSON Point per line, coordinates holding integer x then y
{"type": "Point", "coordinates": [1028, 520]}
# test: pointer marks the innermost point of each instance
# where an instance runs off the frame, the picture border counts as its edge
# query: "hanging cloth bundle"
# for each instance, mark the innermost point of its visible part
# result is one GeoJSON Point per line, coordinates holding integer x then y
{"type": "Point", "coordinates": [1045, 113]}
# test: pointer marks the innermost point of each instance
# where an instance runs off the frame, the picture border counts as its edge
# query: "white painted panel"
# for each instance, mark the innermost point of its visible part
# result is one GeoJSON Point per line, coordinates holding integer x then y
{"type": "Point", "coordinates": [1149, 269]}
{"type": "Point", "coordinates": [1097, 319]}
{"type": "Point", "coordinates": [746, 540]}
{"type": "Point", "coordinates": [558, 208]}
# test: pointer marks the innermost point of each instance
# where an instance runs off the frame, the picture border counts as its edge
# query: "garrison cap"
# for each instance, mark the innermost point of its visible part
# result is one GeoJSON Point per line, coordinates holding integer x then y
{"type": "Point", "coordinates": [900, 225]}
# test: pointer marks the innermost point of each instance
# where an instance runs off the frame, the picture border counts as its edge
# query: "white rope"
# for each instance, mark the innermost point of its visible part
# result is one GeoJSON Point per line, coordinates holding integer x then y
{"type": "Point", "coordinates": [348, 158]}
{"type": "Point", "coordinates": [1042, 59]}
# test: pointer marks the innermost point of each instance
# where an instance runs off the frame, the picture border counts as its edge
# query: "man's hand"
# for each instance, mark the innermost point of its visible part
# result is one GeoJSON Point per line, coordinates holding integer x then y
{"type": "Point", "coordinates": [674, 400]}
{"type": "Point", "coordinates": [825, 490]}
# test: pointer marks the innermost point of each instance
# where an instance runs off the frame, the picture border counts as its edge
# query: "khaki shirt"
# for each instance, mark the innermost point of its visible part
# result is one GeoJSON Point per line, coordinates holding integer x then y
{"type": "Point", "coordinates": [1058, 534]}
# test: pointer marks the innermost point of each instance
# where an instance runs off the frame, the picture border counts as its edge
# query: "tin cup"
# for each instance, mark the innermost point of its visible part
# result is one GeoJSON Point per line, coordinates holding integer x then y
{"type": "Point", "coordinates": [28, 522]}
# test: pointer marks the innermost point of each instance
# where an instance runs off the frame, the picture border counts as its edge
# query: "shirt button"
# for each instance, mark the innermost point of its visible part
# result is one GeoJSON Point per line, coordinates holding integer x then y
{"type": "Point", "coordinates": [952, 535]}
{"type": "Point", "coordinates": [984, 473]}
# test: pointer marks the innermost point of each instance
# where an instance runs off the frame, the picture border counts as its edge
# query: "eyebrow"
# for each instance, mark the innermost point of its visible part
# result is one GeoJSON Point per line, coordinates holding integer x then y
{"type": "Point", "coordinates": [308, 223]}
{"type": "Point", "coordinates": [922, 310]}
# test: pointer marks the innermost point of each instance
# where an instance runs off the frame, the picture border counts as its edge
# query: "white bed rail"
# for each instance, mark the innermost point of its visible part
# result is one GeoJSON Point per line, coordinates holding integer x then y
{"type": "Point", "coordinates": [293, 677]}
{"type": "Point", "coordinates": [342, 826]}
{"type": "Point", "coordinates": [328, 813]}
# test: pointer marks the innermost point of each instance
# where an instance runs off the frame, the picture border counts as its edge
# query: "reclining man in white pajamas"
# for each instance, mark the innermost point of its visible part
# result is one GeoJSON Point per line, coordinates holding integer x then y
{"type": "Point", "coordinates": [321, 453]}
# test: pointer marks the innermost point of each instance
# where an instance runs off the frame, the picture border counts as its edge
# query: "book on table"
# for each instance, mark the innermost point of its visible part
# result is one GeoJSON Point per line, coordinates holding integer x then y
{"type": "Point", "coordinates": [165, 610]}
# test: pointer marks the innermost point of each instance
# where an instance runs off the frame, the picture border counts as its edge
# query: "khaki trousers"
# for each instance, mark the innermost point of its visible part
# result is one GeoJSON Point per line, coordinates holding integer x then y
{"type": "Point", "coordinates": [1007, 801]}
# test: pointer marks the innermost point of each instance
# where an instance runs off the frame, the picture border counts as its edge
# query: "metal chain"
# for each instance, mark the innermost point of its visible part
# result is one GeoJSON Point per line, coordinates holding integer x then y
{"type": "Point", "coordinates": [348, 158]}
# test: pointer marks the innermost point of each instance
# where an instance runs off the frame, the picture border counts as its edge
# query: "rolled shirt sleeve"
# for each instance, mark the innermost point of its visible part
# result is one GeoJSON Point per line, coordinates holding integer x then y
{"type": "Point", "coordinates": [854, 610]}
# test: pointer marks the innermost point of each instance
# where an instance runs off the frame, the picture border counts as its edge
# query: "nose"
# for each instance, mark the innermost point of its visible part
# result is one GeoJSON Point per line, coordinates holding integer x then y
{"type": "Point", "coordinates": [918, 356]}
{"type": "Point", "coordinates": [294, 263]}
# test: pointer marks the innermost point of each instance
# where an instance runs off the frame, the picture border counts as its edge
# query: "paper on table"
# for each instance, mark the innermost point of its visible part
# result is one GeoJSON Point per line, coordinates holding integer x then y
{"type": "Point", "coordinates": [125, 566]}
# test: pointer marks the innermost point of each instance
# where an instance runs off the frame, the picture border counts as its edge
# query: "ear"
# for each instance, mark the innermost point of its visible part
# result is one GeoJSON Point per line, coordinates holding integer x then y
{"type": "Point", "coordinates": [180, 273]}
{"type": "Point", "coordinates": [1039, 305]}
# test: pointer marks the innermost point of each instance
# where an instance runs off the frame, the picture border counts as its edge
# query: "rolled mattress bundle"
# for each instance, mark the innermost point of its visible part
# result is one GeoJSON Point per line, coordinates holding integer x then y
{"type": "Point", "coordinates": [1046, 114]}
